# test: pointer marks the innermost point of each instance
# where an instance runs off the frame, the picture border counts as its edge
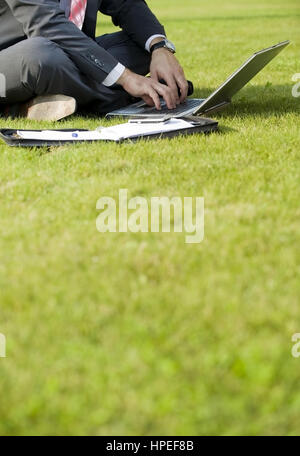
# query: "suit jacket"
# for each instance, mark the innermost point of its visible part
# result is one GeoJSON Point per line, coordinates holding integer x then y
{"type": "Point", "coordinates": [21, 19]}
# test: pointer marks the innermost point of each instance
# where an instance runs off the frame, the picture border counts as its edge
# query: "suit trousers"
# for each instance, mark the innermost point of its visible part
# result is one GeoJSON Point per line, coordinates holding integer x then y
{"type": "Point", "coordinates": [37, 66]}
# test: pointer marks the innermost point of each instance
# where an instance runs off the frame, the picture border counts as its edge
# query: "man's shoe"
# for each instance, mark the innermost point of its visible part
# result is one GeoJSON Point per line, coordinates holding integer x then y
{"type": "Point", "coordinates": [44, 107]}
{"type": "Point", "coordinates": [51, 107]}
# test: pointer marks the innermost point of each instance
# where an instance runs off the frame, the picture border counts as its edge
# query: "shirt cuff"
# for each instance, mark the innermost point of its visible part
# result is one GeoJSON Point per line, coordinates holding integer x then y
{"type": "Point", "coordinates": [148, 42]}
{"type": "Point", "coordinates": [114, 75]}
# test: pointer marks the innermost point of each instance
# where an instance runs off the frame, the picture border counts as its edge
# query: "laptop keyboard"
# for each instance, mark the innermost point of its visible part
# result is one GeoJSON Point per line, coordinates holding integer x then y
{"type": "Point", "coordinates": [187, 105]}
{"type": "Point", "coordinates": [141, 109]}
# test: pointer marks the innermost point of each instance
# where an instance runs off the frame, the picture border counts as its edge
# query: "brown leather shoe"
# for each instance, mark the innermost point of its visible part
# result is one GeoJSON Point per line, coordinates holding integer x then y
{"type": "Point", "coordinates": [44, 107]}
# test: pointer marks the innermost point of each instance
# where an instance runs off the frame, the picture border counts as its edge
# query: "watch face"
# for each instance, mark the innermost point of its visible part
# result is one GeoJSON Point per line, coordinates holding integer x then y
{"type": "Point", "coordinates": [170, 46]}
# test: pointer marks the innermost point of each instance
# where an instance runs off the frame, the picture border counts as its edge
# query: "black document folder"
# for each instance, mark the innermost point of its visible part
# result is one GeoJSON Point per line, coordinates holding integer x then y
{"type": "Point", "coordinates": [119, 133]}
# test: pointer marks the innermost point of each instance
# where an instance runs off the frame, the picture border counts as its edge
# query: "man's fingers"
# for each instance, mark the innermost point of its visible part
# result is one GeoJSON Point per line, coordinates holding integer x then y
{"type": "Point", "coordinates": [171, 82]}
{"type": "Point", "coordinates": [154, 76]}
{"type": "Point", "coordinates": [184, 88]}
{"type": "Point", "coordinates": [167, 95]}
{"type": "Point", "coordinates": [148, 100]}
{"type": "Point", "coordinates": [154, 96]}
{"type": "Point", "coordinates": [165, 92]}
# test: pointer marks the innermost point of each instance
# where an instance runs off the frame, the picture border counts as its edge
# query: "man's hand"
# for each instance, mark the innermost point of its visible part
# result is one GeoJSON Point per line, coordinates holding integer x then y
{"type": "Point", "coordinates": [164, 65]}
{"type": "Point", "coordinates": [148, 89]}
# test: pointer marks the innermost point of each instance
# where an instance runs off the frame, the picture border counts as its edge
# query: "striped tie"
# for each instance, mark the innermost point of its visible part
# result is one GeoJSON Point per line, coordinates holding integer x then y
{"type": "Point", "coordinates": [77, 12]}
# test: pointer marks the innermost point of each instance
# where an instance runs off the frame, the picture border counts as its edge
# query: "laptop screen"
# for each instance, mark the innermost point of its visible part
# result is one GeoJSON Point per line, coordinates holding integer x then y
{"type": "Point", "coordinates": [241, 77]}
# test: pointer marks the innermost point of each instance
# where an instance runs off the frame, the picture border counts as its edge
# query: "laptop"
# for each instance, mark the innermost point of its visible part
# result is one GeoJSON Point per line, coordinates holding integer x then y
{"type": "Point", "coordinates": [218, 100]}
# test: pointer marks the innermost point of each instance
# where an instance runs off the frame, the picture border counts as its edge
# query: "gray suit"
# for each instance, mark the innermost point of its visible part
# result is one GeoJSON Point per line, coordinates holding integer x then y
{"type": "Point", "coordinates": [42, 52]}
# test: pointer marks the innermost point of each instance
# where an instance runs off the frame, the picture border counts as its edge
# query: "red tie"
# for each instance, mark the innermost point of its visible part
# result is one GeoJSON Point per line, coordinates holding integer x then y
{"type": "Point", "coordinates": [77, 12]}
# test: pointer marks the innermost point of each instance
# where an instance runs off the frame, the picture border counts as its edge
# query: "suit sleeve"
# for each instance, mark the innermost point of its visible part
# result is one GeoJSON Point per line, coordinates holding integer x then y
{"type": "Point", "coordinates": [134, 17]}
{"type": "Point", "coordinates": [45, 18]}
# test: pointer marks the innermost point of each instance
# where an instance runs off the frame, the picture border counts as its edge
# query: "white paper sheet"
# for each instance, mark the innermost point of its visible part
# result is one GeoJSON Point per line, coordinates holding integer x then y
{"type": "Point", "coordinates": [115, 133]}
{"type": "Point", "coordinates": [132, 130]}
{"type": "Point", "coordinates": [50, 135]}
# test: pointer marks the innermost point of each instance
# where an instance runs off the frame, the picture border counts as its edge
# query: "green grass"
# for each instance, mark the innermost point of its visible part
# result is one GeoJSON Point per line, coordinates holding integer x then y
{"type": "Point", "coordinates": [140, 333]}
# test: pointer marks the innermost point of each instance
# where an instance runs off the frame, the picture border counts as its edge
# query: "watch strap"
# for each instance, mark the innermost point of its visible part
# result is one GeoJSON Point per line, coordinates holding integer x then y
{"type": "Point", "coordinates": [158, 45]}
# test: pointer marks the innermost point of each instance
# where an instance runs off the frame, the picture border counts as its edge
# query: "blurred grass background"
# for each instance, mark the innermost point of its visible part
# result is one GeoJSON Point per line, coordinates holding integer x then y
{"type": "Point", "coordinates": [140, 333]}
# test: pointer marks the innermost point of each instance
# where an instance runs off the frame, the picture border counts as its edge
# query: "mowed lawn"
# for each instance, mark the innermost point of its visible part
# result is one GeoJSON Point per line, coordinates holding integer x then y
{"type": "Point", "coordinates": [112, 334]}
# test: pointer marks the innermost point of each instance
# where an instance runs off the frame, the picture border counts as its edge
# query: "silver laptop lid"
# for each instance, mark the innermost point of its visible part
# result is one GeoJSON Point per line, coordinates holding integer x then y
{"type": "Point", "coordinates": [240, 78]}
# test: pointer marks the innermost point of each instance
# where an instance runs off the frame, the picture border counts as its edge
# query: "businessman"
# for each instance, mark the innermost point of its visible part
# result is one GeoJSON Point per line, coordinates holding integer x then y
{"type": "Point", "coordinates": [52, 62]}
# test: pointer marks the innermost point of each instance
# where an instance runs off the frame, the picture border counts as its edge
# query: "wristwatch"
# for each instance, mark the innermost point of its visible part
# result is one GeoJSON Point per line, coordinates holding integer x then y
{"type": "Point", "coordinates": [163, 44]}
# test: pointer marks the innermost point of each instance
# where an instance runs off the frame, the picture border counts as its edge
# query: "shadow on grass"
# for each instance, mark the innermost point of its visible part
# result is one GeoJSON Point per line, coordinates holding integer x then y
{"type": "Point", "coordinates": [222, 130]}
{"type": "Point", "coordinates": [264, 101]}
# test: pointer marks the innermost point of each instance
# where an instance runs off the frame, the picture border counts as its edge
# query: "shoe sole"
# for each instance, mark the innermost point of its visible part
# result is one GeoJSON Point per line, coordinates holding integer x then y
{"type": "Point", "coordinates": [51, 107]}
